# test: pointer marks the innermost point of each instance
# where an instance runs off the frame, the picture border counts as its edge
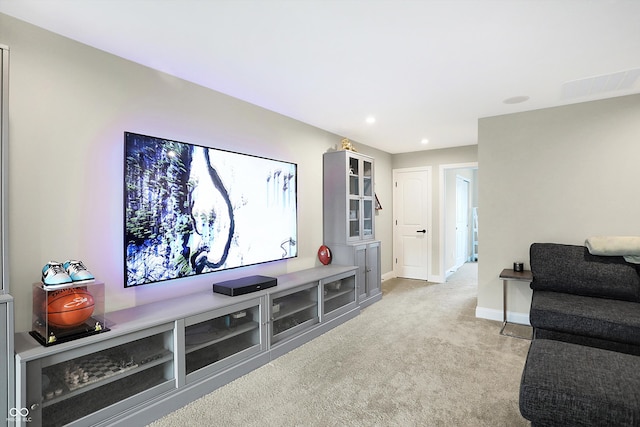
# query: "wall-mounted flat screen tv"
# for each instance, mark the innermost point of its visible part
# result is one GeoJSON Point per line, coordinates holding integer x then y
{"type": "Point", "coordinates": [190, 209]}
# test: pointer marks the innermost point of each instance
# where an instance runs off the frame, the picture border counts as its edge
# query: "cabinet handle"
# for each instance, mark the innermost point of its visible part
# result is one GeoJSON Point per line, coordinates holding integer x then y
{"type": "Point", "coordinates": [421, 231]}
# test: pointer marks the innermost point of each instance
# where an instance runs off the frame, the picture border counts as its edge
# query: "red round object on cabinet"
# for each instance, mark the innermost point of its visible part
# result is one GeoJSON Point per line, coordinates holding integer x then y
{"type": "Point", "coordinates": [324, 255]}
{"type": "Point", "coordinates": [69, 307]}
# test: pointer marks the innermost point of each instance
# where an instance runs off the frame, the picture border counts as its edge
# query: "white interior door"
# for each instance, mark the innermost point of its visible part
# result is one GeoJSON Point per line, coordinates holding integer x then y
{"type": "Point", "coordinates": [462, 220]}
{"type": "Point", "coordinates": [412, 210]}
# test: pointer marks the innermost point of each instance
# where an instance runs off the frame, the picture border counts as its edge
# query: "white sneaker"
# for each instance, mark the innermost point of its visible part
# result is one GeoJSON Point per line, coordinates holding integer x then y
{"type": "Point", "coordinates": [54, 276]}
{"type": "Point", "coordinates": [78, 272]}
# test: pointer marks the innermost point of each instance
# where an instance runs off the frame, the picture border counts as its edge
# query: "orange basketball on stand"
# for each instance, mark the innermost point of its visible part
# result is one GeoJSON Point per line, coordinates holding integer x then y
{"type": "Point", "coordinates": [69, 307]}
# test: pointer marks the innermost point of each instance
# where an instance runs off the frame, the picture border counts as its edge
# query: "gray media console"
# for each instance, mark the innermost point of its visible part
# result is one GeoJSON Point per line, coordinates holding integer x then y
{"type": "Point", "coordinates": [159, 357]}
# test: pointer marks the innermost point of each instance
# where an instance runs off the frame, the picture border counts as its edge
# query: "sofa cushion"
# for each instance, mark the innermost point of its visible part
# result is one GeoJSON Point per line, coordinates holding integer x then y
{"type": "Point", "coordinates": [620, 347]}
{"type": "Point", "coordinates": [572, 269]}
{"type": "Point", "coordinates": [572, 385]}
{"type": "Point", "coordinates": [600, 318]}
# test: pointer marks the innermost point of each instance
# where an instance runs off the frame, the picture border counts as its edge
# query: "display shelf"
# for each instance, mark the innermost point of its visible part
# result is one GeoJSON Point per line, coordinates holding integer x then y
{"type": "Point", "coordinates": [93, 406]}
{"type": "Point", "coordinates": [291, 326]}
{"type": "Point", "coordinates": [207, 357]}
{"type": "Point", "coordinates": [219, 336]}
{"type": "Point", "coordinates": [337, 299]}
{"type": "Point", "coordinates": [292, 306]}
{"type": "Point", "coordinates": [115, 374]}
{"type": "Point", "coordinates": [331, 295]}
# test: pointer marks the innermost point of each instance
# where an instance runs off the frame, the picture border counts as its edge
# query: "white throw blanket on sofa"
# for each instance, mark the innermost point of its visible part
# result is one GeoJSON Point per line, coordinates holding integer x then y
{"type": "Point", "coordinates": [626, 246]}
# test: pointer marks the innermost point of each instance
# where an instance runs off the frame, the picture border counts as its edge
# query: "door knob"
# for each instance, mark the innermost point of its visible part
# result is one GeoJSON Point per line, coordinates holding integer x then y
{"type": "Point", "coordinates": [421, 231]}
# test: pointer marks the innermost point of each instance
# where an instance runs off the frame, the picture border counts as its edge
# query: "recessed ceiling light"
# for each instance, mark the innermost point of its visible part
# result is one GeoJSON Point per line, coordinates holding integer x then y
{"type": "Point", "coordinates": [424, 141]}
{"type": "Point", "coordinates": [371, 120]}
{"type": "Point", "coordinates": [516, 99]}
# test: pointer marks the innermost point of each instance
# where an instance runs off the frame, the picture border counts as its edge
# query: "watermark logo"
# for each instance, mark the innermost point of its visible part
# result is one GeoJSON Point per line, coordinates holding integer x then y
{"type": "Point", "coordinates": [19, 414]}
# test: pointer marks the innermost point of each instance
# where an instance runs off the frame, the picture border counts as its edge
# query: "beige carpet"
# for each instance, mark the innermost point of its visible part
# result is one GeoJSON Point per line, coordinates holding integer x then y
{"type": "Point", "coordinates": [419, 357]}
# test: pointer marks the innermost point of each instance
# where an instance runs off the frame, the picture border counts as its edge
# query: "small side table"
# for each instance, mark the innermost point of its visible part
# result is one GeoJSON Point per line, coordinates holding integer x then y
{"type": "Point", "coordinates": [507, 275]}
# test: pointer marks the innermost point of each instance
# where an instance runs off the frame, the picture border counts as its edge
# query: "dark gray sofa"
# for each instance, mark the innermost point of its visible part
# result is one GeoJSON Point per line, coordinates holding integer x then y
{"type": "Point", "coordinates": [585, 299]}
{"type": "Point", "coordinates": [583, 366]}
{"type": "Point", "coordinates": [566, 385]}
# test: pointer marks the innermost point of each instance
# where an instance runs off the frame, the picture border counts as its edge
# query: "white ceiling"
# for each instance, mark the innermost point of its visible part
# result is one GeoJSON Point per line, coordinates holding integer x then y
{"type": "Point", "coordinates": [424, 69]}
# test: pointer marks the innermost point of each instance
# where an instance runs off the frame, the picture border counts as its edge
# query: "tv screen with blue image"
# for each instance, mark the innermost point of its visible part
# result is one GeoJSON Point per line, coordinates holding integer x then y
{"type": "Point", "coordinates": [191, 209]}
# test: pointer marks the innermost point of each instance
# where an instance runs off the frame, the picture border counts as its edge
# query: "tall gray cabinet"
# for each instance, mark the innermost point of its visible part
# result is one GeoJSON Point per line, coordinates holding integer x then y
{"type": "Point", "coordinates": [6, 301]}
{"type": "Point", "coordinates": [349, 218]}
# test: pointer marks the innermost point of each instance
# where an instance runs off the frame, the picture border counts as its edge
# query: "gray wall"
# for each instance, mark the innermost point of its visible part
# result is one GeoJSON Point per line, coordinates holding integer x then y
{"type": "Point", "coordinates": [553, 175]}
{"type": "Point", "coordinates": [560, 174]}
{"type": "Point", "coordinates": [69, 107]}
{"type": "Point", "coordinates": [435, 159]}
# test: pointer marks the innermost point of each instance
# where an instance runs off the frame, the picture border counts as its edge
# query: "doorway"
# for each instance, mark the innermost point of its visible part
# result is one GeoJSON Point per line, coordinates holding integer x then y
{"type": "Point", "coordinates": [458, 198]}
{"type": "Point", "coordinates": [463, 218]}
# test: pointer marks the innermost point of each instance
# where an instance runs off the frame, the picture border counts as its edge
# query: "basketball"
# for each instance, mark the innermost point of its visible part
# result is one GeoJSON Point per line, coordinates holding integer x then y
{"type": "Point", "coordinates": [324, 255]}
{"type": "Point", "coordinates": [69, 307]}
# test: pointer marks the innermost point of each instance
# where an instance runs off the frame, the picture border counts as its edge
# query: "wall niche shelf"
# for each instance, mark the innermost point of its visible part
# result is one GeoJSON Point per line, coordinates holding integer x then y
{"type": "Point", "coordinates": [158, 357]}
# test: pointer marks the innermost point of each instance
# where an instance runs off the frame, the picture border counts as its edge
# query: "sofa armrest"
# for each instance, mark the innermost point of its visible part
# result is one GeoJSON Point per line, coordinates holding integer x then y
{"type": "Point", "coordinates": [572, 269]}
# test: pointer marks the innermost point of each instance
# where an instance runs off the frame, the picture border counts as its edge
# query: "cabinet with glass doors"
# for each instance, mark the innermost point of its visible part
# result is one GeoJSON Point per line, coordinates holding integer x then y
{"type": "Point", "coordinates": [349, 197]}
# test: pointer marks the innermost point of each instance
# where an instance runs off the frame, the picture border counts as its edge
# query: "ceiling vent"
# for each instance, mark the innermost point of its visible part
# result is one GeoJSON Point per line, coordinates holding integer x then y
{"type": "Point", "coordinates": [622, 80]}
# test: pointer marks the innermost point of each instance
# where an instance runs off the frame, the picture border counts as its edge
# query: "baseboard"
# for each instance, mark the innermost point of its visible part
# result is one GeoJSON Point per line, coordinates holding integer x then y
{"type": "Point", "coordinates": [432, 278]}
{"type": "Point", "coordinates": [389, 275]}
{"type": "Point", "coordinates": [512, 317]}
{"type": "Point", "coordinates": [437, 278]}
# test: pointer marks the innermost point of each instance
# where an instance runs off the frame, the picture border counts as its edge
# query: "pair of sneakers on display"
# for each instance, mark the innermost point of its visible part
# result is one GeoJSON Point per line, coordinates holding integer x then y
{"type": "Point", "coordinates": [58, 275]}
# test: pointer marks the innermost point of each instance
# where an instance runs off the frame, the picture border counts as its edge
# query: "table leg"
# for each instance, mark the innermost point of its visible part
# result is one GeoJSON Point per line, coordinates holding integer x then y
{"type": "Point", "coordinates": [504, 306]}
{"type": "Point", "coordinates": [504, 314]}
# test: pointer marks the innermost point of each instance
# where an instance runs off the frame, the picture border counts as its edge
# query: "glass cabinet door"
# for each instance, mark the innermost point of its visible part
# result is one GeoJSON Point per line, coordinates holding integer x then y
{"type": "Point", "coordinates": [349, 197]}
{"type": "Point", "coordinates": [361, 199]}
{"type": "Point", "coordinates": [354, 176]}
{"type": "Point", "coordinates": [293, 312]}
{"type": "Point", "coordinates": [338, 293]}
{"type": "Point", "coordinates": [368, 210]}
{"type": "Point", "coordinates": [354, 218]}
{"type": "Point", "coordinates": [367, 178]}
{"type": "Point", "coordinates": [367, 218]}
{"type": "Point", "coordinates": [74, 388]}
{"type": "Point", "coordinates": [220, 340]}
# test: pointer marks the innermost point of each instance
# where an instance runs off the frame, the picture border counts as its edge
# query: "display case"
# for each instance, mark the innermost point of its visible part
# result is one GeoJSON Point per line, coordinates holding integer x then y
{"type": "Point", "coordinates": [349, 219]}
{"type": "Point", "coordinates": [68, 313]}
{"type": "Point", "coordinates": [216, 340]}
{"type": "Point", "coordinates": [89, 383]}
{"type": "Point", "coordinates": [349, 197]}
{"type": "Point", "coordinates": [293, 311]}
